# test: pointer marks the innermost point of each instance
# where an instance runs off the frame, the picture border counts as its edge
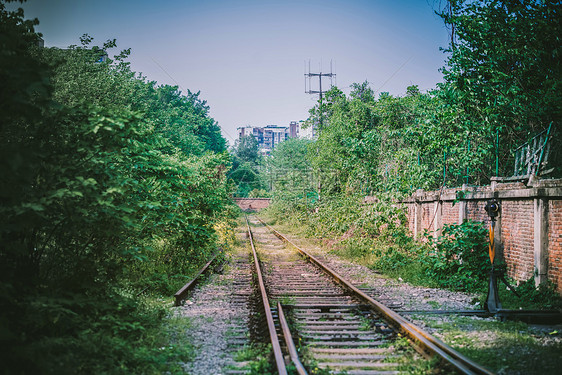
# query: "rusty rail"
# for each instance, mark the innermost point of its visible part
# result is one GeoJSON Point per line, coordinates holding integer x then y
{"type": "Point", "coordinates": [279, 360]}
{"type": "Point", "coordinates": [428, 343]}
{"type": "Point", "coordinates": [182, 293]}
{"type": "Point", "coordinates": [289, 341]}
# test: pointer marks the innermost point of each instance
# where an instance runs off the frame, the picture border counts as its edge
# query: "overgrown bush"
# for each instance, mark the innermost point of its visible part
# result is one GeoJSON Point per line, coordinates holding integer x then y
{"type": "Point", "coordinates": [531, 297]}
{"type": "Point", "coordinates": [259, 193]}
{"type": "Point", "coordinates": [459, 259]}
{"type": "Point", "coordinates": [377, 235]}
{"type": "Point", "coordinates": [96, 197]}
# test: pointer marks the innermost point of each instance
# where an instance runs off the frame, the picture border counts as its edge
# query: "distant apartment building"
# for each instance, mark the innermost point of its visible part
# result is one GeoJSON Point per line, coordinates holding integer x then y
{"type": "Point", "coordinates": [294, 129]}
{"type": "Point", "coordinates": [271, 135]}
{"type": "Point", "coordinates": [309, 132]}
{"type": "Point", "coordinates": [251, 130]}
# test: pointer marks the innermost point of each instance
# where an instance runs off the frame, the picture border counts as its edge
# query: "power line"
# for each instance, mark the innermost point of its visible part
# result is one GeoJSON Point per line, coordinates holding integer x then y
{"type": "Point", "coordinates": [393, 74]}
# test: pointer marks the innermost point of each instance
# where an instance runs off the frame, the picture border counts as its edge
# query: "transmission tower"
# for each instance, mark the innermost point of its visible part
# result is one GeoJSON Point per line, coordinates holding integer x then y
{"type": "Point", "coordinates": [308, 80]}
{"type": "Point", "coordinates": [308, 89]}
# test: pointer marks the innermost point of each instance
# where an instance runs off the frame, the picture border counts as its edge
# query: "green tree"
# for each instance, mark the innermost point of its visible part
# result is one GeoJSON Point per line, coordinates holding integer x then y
{"type": "Point", "coordinates": [81, 78]}
{"type": "Point", "coordinates": [289, 170]}
{"type": "Point", "coordinates": [503, 76]}
{"type": "Point", "coordinates": [94, 200]}
{"type": "Point", "coordinates": [247, 150]}
{"type": "Point", "coordinates": [375, 145]}
{"type": "Point", "coordinates": [247, 165]}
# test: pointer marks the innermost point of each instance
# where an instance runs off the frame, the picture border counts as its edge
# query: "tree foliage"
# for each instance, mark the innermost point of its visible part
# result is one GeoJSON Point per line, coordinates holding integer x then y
{"type": "Point", "coordinates": [367, 145]}
{"type": "Point", "coordinates": [502, 79]}
{"type": "Point", "coordinates": [109, 184]}
{"type": "Point", "coordinates": [247, 165]}
{"type": "Point", "coordinates": [504, 66]}
{"type": "Point", "coordinates": [289, 172]}
{"type": "Point", "coordinates": [502, 85]}
{"type": "Point", "coordinates": [246, 150]}
{"type": "Point", "coordinates": [80, 78]}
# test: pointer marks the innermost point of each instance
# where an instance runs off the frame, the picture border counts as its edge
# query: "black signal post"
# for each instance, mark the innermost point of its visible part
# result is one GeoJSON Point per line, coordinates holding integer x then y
{"type": "Point", "coordinates": [493, 304]}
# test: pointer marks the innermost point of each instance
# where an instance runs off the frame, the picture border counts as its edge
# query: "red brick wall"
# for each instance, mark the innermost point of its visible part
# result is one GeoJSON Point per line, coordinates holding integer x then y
{"type": "Point", "coordinates": [555, 242]}
{"type": "Point", "coordinates": [254, 204]}
{"type": "Point", "coordinates": [476, 211]}
{"type": "Point", "coordinates": [450, 213]}
{"type": "Point", "coordinates": [517, 221]}
{"type": "Point", "coordinates": [517, 233]}
{"type": "Point", "coordinates": [428, 210]}
{"type": "Point", "coordinates": [411, 212]}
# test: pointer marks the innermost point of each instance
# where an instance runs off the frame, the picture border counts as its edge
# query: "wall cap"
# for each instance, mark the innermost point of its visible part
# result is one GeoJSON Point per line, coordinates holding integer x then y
{"type": "Point", "coordinates": [539, 189]}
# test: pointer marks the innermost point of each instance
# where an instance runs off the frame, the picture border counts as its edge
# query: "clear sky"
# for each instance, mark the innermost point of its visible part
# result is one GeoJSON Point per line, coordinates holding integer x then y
{"type": "Point", "coordinates": [247, 56]}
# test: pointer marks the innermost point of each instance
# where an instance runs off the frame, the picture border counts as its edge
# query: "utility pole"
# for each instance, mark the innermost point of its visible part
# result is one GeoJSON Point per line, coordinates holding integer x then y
{"type": "Point", "coordinates": [308, 89]}
{"type": "Point", "coordinates": [308, 84]}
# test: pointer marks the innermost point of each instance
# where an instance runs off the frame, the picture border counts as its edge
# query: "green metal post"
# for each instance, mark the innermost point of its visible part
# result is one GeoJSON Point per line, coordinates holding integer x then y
{"type": "Point", "coordinates": [467, 167]}
{"type": "Point", "coordinates": [543, 147]}
{"type": "Point", "coordinates": [497, 151]}
{"type": "Point", "coordinates": [444, 165]}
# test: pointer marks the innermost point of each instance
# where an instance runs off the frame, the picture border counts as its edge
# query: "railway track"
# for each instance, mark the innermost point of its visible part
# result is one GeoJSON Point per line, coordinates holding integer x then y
{"type": "Point", "coordinates": [336, 326]}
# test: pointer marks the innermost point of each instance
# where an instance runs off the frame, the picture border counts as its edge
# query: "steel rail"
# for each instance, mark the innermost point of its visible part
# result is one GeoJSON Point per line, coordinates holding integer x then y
{"type": "Point", "coordinates": [279, 360]}
{"type": "Point", "coordinates": [182, 293]}
{"type": "Point", "coordinates": [289, 341]}
{"type": "Point", "coordinates": [430, 344]}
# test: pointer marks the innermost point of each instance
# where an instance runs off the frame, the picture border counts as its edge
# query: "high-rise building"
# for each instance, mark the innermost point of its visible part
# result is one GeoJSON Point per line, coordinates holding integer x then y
{"type": "Point", "coordinates": [309, 132]}
{"type": "Point", "coordinates": [271, 135]}
{"type": "Point", "coordinates": [244, 131]}
{"type": "Point", "coordinates": [294, 129]}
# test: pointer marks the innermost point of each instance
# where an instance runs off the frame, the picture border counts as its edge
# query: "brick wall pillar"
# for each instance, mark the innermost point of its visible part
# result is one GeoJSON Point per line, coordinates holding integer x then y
{"type": "Point", "coordinates": [418, 217]}
{"type": "Point", "coordinates": [498, 239]}
{"type": "Point", "coordinates": [463, 207]}
{"type": "Point", "coordinates": [541, 240]}
{"type": "Point", "coordinates": [438, 218]}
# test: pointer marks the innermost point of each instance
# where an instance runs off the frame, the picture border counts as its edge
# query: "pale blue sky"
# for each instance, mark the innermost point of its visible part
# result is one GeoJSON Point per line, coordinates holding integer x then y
{"type": "Point", "coordinates": [247, 56]}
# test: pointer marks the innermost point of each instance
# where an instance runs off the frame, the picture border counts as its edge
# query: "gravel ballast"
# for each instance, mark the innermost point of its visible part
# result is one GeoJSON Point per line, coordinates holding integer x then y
{"type": "Point", "coordinates": [219, 313]}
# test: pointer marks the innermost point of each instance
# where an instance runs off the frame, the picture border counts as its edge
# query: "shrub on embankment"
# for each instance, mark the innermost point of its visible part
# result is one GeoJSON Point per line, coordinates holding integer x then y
{"type": "Point", "coordinates": [109, 185]}
{"type": "Point", "coordinates": [376, 234]}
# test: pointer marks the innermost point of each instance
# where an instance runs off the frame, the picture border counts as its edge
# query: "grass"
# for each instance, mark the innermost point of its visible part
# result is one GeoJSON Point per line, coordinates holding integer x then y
{"type": "Point", "coordinates": [256, 359]}
{"type": "Point", "coordinates": [434, 304]}
{"type": "Point", "coordinates": [503, 346]}
{"type": "Point", "coordinates": [530, 298]}
{"type": "Point", "coordinates": [285, 299]}
{"type": "Point", "coordinates": [409, 362]}
{"type": "Point", "coordinates": [174, 345]}
{"type": "Point", "coordinates": [311, 364]}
